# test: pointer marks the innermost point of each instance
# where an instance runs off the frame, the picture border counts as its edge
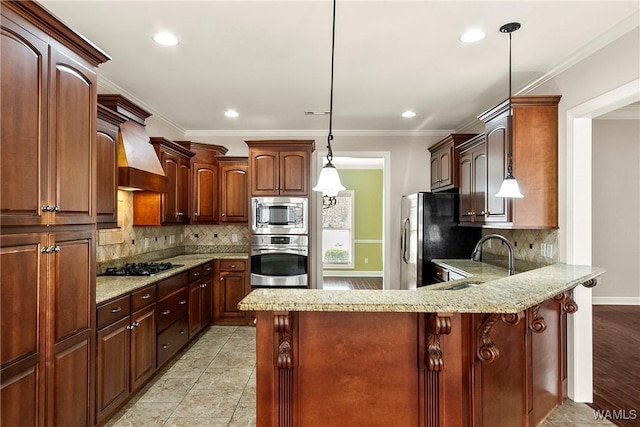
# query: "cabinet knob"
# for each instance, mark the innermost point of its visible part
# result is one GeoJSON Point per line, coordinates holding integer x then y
{"type": "Point", "coordinates": [196, 274]}
{"type": "Point", "coordinates": [182, 332]}
{"type": "Point", "coordinates": [223, 214]}
{"type": "Point", "coordinates": [46, 208]}
{"type": "Point", "coordinates": [56, 208]}
{"type": "Point", "coordinates": [196, 214]}
{"type": "Point", "coordinates": [204, 285]}
{"type": "Point", "coordinates": [469, 213]}
{"type": "Point", "coordinates": [46, 249]}
{"type": "Point", "coordinates": [130, 327]}
{"type": "Point", "coordinates": [56, 249]}
{"type": "Point", "coordinates": [233, 266]}
{"type": "Point", "coordinates": [165, 312]}
{"type": "Point", "coordinates": [165, 346]}
{"type": "Point", "coordinates": [482, 213]}
{"type": "Point", "coordinates": [183, 302]}
{"type": "Point", "coordinates": [136, 324]}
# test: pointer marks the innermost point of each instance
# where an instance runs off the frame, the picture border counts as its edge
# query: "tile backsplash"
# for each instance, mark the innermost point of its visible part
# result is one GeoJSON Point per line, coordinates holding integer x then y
{"type": "Point", "coordinates": [133, 243]}
{"type": "Point", "coordinates": [528, 248]}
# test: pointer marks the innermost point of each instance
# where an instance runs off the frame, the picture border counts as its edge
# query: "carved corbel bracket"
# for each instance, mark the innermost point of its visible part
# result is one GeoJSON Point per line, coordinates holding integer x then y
{"type": "Point", "coordinates": [437, 324]}
{"type": "Point", "coordinates": [566, 302]}
{"type": "Point", "coordinates": [537, 323]}
{"type": "Point", "coordinates": [487, 350]}
{"type": "Point", "coordinates": [282, 324]}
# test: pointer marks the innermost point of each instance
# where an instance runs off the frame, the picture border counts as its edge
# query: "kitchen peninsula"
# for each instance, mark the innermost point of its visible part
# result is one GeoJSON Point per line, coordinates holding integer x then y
{"type": "Point", "coordinates": [486, 355]}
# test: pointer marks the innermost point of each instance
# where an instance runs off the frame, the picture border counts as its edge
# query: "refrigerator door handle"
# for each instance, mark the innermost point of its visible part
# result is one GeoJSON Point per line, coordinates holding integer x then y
{"type": "Point", "coordinates": [404, 241]}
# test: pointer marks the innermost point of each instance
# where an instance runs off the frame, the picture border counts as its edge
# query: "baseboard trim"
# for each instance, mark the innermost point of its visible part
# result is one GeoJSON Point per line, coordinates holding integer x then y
{"type": "Point", "coordinates": [616, 300]}
{"type": "Point", "coordinates": [338, 273]}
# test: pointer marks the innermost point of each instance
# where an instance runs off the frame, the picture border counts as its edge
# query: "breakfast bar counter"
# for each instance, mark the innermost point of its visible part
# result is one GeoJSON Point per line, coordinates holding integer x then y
{"type": "Point", "coordinates": [487, 355]}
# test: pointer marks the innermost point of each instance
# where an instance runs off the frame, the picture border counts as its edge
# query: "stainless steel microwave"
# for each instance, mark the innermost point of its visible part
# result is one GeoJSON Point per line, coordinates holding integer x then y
{"type": "Point", "coordinates": [279, 215]}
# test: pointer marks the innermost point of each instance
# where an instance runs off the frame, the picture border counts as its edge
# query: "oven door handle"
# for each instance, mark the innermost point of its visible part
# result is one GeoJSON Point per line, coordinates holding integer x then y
{"type": "Point", "coordinates": [280, 250]}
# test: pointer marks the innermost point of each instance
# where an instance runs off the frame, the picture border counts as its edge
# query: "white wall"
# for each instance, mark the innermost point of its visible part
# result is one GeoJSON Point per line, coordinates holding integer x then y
{"type": "Point", "coordinates": [615, 210]}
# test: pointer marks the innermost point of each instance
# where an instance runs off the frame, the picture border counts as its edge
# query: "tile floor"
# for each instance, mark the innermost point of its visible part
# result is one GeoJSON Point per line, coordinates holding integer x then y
{"type": "Point", "coordinates": [212, 383]}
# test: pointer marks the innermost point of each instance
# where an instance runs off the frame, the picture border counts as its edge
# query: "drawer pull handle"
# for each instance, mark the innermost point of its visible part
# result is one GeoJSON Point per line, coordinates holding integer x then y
{"type": "Point", "coordinates": [145, 296]}
{"type": "Point", "coordinates": [165, 346]}
{"type": "Point", "coordinates": [116, 310]}
{"type": "Point", "coordinates": [183, 302]}
{"type": "Point", "coordinates": [208, 268]}
{"type": "Point", "coordinates": [182, 332]}
{"type": "Point", "coordinates": [233, 266]}
{"type": "Point", "coordinates": [165, 312]}
{"type": "Point", "coordinates": [196, 274]}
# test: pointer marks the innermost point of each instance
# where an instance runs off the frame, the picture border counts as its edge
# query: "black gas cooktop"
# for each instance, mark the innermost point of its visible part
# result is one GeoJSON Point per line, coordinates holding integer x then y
{"type": "Point", "coordinates": [140, 269]}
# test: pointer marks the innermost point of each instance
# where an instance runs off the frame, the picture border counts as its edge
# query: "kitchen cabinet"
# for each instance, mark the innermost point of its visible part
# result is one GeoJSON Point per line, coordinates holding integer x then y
{"type": "Point", "coordinates": [107, 167]}
{"type": "Point", "coordinates": [472, 171]}
{"type": "Point", "coordinates": [534, 125]}
{"type": "Point", "coordinates": [204, 181]}
{"type": "Point", "coordinates": [444, 161]}
{"type": "Point", "coordinates": [279, 167]}
{"type": "Point", "coordinates": [172, 207]}
{"type": "Point", "coordinates": [172, 316]}
{"type": "Point", "coordinates": [200, 297]}
{"type": "Point", "coordinates": [126, 342]}
{"type": "Point", "coordinates": [234, 190]}
{"type": "Point", "coordinates": [48, 114]}
{"type": "Point", "coordinates": [230, 287]}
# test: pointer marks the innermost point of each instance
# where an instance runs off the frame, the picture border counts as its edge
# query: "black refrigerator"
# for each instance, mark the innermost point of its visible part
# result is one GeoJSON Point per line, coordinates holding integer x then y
{"type": "Point", "coordinates": [429, 229]}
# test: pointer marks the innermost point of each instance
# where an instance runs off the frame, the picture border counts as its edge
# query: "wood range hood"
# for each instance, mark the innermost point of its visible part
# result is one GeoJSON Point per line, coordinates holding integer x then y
{"type": "Point", "coordinates": [138, 165]}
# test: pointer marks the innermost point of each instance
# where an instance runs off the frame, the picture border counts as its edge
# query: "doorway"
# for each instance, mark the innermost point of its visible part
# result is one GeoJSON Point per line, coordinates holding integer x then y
{"type": "Point", "coordinates": [352, 248]}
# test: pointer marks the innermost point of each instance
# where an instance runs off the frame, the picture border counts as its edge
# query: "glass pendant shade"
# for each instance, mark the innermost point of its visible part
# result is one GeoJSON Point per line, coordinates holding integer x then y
{"type": "Point", "coordinates": [510, 188]}
{"type": "Point", "coordinates": [329, 181]}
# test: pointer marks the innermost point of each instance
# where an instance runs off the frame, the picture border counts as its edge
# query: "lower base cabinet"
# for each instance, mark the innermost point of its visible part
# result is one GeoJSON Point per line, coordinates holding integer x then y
{"type": "Point", "coordinates": [230, 287]}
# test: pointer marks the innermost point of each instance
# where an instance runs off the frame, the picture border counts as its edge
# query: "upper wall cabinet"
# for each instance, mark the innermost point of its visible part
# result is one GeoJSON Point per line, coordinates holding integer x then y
{"type": "Point", "coordinates": [279, 167]}
{"type": "Point", "coordinates": [204, 181]}
{"type": "Point", "coordinates": [48, 120]}
{"type": "Point", "coordinates": [535, 162]}
{"type": "Point", "coordinates": [472, 169]}
{"type": "Point", "coordinates": [107, 167]}
{"type": "Point", "coordinates": [234, 190]}
{"type": "Point", "coordinates": [444, 161]}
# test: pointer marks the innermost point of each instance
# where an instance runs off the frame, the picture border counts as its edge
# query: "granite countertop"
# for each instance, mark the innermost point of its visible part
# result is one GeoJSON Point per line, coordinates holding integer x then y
{"type": "Point", "coordinates": [496, 293]}
{"type": "Point", "coordinates": [109, 287]}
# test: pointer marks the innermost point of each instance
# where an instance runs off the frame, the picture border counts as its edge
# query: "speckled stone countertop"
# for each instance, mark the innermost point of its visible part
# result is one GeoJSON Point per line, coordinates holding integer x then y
{"type": "Point", "coordinates": [496, 292]}
{"type": "Point", "coordinates": [109, 287]}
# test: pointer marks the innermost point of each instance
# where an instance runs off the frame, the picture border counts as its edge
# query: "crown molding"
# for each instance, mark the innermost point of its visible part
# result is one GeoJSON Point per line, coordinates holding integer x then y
{"type": "Point", "coordinates": [316, 133]}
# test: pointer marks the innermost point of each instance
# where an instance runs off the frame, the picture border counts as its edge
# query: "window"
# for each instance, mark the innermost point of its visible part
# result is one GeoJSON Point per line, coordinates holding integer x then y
{"type": "Point", "coordinates": [338, 232]}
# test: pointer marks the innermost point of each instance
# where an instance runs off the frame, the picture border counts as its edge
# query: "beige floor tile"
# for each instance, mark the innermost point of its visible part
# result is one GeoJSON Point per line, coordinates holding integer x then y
{"type": "Point", "coordinates": [143, 415]}
{"type": "Point", "coordinates": [197, 422]}
{"type": "Point", "coordinates": [165, 389]}
{"type": "Point", "coordinates": [215, 377]}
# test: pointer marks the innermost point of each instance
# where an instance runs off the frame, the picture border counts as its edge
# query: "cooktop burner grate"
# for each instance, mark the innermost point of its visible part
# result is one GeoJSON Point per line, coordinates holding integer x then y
{"type": "Point", "coordinates": [140, 269]}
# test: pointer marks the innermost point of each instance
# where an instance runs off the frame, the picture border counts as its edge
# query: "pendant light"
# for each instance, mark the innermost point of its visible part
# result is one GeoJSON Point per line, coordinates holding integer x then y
{"type": "Point", "coordinates": [509, 187]}
{"type": "Point", "coordinates": [329, 180]}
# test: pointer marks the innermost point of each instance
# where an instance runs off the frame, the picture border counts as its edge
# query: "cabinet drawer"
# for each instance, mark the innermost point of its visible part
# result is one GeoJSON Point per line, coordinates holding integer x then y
{"type": "Point", "coordinates": [143, 297]}
{"type": "Point", "coordinates": [113, 310]}
{"type": "Point", "coordinates": [207, 269]}
{"type": "Point", "coordinates": [172, 340]}
{"type": "Point", "coordinates": [172, 307]}
{"type": "Point", "coordinates": [232, 265]}
{"type": "Point", "coordinates": [442, 275]}
{"type": "Point", "coordinates": [195, 274]}
{"type": "Point", "coordinates": [173, 283]}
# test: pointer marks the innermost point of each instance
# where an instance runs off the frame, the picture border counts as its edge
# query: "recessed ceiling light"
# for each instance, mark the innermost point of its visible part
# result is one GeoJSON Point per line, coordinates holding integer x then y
{"type": "Point", "coordinates": [472, 36]}
{"type": "Point", "coordinates": [165, 39]}
{"type": "Point", "coordinates": [408, 114]}
{"type": "Point", "coordinates": [231, 113]}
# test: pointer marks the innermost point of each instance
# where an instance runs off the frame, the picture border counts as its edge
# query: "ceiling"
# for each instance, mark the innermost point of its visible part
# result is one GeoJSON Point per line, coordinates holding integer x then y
{"type": "Point", "coordinates": [270, 60]}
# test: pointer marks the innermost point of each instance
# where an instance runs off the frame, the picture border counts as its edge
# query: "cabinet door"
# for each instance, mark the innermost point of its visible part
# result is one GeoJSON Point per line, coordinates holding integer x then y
{"type": "Point", "coordinates": [112, 367]}
{"type": "Point", "coordinates": [23, 128]}
{"type": "Point", "coordinates": [294, 173]}
{"type": "Point", "coordinates": [143, 346]}
{"type": "Point", "coordinates": [195, 308]}
{"type": "Point", "coordinates": [169, 200]}
{"type": "Point", "coordinates": [446, 158]}
{"type": "Point", "coordinates": [435, 171]}
{"type": "Point", "coordinates": [22, 293]}
{"type": "Point", "coordinates": [205, 181]}
{"type": "Point", "coordinates": [264, 173]}
{"type": "Point", "coordinates": [183, 191]}
{"type": "Point", "coordinates": [496, 169]}
{"type": "Point", "coordinates": [228, 293]}
{"type": "Point", "coordinates": [206, 301]}
{"type": "Point", "coordinates": [106, 174]}
{"type": "Point", "coordinates": [233, 194]}
{"type": "Point", "coordinates": [72, 134]}
{"type": "Point", "coordinates": [466, 187]}
{"type": "Point", "coordinates": [479, 184]}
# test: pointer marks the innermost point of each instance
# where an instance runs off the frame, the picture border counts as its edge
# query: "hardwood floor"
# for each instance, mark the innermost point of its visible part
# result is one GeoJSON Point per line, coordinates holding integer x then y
{"type": "Point", "coordinates": [616, 362]}
{"type": "Point", "coordinates": [346, 283]}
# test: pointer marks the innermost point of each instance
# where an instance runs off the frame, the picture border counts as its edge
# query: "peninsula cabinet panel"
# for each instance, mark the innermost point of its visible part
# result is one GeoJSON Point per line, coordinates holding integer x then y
{"type": "Point", "coordinates": [234, 190]}
{"type": "Point", "coordinates": [23, 131]}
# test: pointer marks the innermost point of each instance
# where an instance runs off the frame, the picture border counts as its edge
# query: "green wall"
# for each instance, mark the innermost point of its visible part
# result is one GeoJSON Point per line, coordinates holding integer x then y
{"type": "Point", "coordinates": [367, 186]}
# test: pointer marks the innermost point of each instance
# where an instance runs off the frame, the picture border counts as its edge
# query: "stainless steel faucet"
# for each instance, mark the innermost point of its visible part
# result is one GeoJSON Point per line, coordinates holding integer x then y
{"type": "Point", "coordinates": [476, 255]}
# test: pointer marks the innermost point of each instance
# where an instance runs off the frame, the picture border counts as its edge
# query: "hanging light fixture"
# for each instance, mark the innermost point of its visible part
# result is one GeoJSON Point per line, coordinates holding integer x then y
{"type": "Point", "coordinates": [329, 180]}
{"type": "Point", "coordinates": [509, 187]}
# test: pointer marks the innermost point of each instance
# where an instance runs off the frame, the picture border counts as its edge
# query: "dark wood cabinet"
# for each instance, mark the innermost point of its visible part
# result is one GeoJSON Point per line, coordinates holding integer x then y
{"type": "Point", "coordinates": [172, 207]}
{"type": "Point", "coordinates": [112, 366]}
{"type": "Point", "coordinates": [200, 298]}
{"type": "Point", "coordinates": [172, 311]}
{"type": "Point", "coordinates": [472, 173]}
{"type": "Point", "coordinates": [445, 161]}
{"type": "Point", "coordinates": [234, 190]}
{"type": "Point", "coordinates": [535, 161]}
{"type": "Point", "coordinates": [279, 167]}
{"type": "Point", "coordinates": [107, 167]}
{"type": "Point", "coordinates": [230, 287]}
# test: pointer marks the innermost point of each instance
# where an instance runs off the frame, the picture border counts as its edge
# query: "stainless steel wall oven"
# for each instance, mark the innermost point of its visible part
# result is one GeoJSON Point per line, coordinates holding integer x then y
{"type": "Point", "coordinates": [279, 261]}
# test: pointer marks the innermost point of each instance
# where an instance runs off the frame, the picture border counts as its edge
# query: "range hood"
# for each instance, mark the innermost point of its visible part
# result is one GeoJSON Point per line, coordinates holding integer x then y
{"type": "Point", "coordinates": [138, 165]}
